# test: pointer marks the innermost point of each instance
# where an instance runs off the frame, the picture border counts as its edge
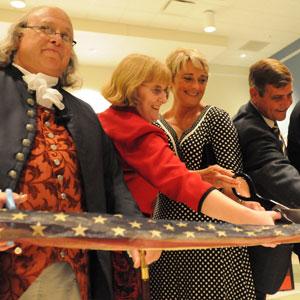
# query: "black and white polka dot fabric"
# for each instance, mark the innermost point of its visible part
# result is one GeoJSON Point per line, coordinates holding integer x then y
{"type": "Point", "coordinates": [216, 274]}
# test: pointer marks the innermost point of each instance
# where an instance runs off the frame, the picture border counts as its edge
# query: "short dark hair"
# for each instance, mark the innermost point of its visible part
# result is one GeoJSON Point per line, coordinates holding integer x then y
{"type": "Point", "coordinates": [269, 71]}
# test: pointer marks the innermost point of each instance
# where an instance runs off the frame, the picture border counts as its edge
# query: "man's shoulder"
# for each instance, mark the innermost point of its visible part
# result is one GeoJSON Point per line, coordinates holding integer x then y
{"type": "Point", "coordinates": [248, 122]}
{"type": "Point", "coordinates": [245, 114]}
{"type": "Point", "coordinates": [4, 73]}
{"type": "Point", "coordinates": [75, 101]}
{"type": "Point", "coordinates": [3, 77]}
{"type": "Point", "coordinates": [296, 111]}
{"type": "Point", "coordinates": [10, 84]}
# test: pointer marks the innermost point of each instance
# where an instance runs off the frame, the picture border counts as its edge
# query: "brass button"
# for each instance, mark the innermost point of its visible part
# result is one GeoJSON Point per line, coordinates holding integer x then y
{"type": "Point", "coordinates": [50, 135]}
{"type": "Point", "coordinates": [18, 250]}
{"type": "Point", "coordinates": [30, 113]}
{"type": "Point", "coordinates": [60, 177]}
{"type": "Point", "coordinates": [20, 156]}
{"type": "Point", "coordinates": [63, 196]}
{"type": "Point", "coordinates": [29, 127]}
{"type": "Point", "coordinates": [30, 101]}
{"type": "Point", "coordinates": [53, 147]}
{"type": "Point", "coordinates": [12, 174]}
{"type": "Point", "coordinates": [26, 142]}
{"type": "Point", "coordinates": [56, 162]}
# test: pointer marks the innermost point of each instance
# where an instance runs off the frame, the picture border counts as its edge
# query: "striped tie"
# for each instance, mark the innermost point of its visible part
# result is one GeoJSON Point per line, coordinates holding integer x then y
{"type": "Point", "coordinates": [276, 131]}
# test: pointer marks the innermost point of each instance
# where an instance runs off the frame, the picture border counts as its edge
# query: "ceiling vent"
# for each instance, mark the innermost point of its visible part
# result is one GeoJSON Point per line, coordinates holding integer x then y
{"type": "Point", "coordinates": [177, 7]}
{"type": "Point", "coordinates": [254, 46]}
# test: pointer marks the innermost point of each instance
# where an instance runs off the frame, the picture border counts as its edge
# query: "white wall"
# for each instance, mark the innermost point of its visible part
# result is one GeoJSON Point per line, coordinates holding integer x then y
{"type": "Point", "coordinates": [227, 88]}
{"type": "Point", "coordinates": [93, 79]}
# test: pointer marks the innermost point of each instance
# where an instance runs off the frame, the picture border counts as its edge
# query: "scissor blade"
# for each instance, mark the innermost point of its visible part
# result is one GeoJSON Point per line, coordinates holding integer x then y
{"type": "Point", "coordinates": [289, 215]}
{"type": "Point", "coordinates": [278, 204]}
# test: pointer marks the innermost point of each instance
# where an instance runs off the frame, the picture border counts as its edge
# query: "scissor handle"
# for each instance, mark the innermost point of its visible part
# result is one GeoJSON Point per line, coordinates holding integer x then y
{"type": "Point", "coordinates": [253, 193]}
{"type": "Point", "coordinates": [144, 266]}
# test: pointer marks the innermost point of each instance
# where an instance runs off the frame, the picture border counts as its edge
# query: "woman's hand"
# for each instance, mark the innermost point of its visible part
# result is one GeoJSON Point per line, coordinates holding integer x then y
{"type": "Point", "coordinates": [218, 177]}
{"type": "Point", "coordinates": [252, 204]}
{"type": "Point", "coordinates": [275, 216]}
{"type": "Point", "coordinates": [150, 257]}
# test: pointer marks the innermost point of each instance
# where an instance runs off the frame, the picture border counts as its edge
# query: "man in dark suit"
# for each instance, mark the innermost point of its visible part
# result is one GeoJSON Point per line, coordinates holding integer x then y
{"type": "Point", "coordinates": [294, 137]}
{"type": "Point", "coordinates": [265, 160]}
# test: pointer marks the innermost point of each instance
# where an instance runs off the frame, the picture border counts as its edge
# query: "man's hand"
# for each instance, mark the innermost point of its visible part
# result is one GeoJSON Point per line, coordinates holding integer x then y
{"type": "Point", "coordinates": [150, 257]}
{"type": "Point", "coordinates": [5, 245]}
{"type": "Point", "coordinates": [17, 198]}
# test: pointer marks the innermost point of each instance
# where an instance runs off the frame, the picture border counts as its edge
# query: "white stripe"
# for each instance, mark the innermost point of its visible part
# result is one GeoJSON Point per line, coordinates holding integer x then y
{"type": "Point", "coordinates": [291, 55]}
{"type": "Point", "coordinates": [196, 127]}
{"type": "Point", "coordinates": [169, 135]}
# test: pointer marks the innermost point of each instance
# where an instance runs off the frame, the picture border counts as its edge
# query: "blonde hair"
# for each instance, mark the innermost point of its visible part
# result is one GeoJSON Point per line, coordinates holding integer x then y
{"type": "Point", "coordinates": [131, 72]}
{"type": "Point", "coordinates": [9, 47]}
{"type": "Point", "coordinates": [178, 59]}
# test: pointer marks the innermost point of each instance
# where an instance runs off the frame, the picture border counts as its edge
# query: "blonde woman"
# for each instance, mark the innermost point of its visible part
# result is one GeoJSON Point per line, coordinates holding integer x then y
{"type": "Point", "coordinates": [201, 135]}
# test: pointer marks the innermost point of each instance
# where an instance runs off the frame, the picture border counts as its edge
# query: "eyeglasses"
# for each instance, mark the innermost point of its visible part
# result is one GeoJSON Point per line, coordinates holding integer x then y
{"type": "Point", "coordinates": [157, 91]}
{"type": "Point", "coordinates": [48, 30]}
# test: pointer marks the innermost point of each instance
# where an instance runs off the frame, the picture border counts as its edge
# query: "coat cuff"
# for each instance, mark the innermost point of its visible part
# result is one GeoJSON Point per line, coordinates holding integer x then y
{"type": "Point", "coordinates": [202, 199]}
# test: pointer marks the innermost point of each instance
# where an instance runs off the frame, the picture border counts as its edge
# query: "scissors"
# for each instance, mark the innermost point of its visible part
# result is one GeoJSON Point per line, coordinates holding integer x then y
{"type": "Point", "coordinates": [144, 276]}
{"type": "Point", "coordinates": [289, 215]}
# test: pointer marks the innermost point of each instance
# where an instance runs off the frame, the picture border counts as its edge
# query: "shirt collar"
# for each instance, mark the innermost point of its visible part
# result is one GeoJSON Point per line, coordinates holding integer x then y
{"type": "Point", "coordinates": [268, 121]}
{"type": "Point", "coordinates": [51, 80]}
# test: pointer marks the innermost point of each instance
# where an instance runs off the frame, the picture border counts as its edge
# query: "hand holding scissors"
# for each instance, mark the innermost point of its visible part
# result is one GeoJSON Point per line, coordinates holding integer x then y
{"type": "Point", "coordinates": [288, 215]}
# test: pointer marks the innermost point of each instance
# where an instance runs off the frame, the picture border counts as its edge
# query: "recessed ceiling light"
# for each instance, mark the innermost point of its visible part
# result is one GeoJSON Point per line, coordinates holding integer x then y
{"type": "Point", "coordinates": [209, 29]}
{"type": "Point", "coordinates": [243, 55]}
{"type": "Point", "coordinates": [17, 3]}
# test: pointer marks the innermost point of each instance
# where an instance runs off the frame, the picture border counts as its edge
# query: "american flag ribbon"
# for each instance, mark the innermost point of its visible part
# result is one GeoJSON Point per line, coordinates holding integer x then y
{"type": "Point", "coordinates": [119, 232]}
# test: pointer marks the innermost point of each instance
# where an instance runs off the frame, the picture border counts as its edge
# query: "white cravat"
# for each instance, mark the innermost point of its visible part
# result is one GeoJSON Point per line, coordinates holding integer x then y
{"type": "Point", "coordinates": [42, 83]}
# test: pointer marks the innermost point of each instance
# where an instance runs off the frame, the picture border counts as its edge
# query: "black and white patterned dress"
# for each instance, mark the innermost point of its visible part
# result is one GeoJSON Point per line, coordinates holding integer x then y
{"type": "Point", "coordinates": [216, 274]}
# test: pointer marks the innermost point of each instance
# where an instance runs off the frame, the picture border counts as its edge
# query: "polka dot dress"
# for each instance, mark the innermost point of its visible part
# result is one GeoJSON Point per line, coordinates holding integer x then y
{"type": "Point", "coordinates": [216, 274]}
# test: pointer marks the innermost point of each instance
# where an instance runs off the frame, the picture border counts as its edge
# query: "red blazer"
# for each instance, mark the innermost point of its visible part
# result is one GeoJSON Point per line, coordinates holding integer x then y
{"type": "Point", "coordinates": [149, 165]}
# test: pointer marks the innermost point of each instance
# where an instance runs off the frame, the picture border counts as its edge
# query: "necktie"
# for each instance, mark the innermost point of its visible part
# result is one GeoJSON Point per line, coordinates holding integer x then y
{"type": "Point", "coordinates": [276, 131]}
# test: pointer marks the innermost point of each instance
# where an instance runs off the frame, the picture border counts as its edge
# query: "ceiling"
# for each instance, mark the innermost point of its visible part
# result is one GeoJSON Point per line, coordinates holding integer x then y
{"type": "Point", "coordinates": [108, 30]}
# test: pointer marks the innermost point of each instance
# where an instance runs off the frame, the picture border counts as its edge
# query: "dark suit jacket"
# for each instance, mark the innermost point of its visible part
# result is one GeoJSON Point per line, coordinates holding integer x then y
{"type": "Point", "coordinates": [274, 178]}
{"type": "Point", "coordinates": [294, 137]}
{"type": "Point", "coordinates": [101, 174]}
